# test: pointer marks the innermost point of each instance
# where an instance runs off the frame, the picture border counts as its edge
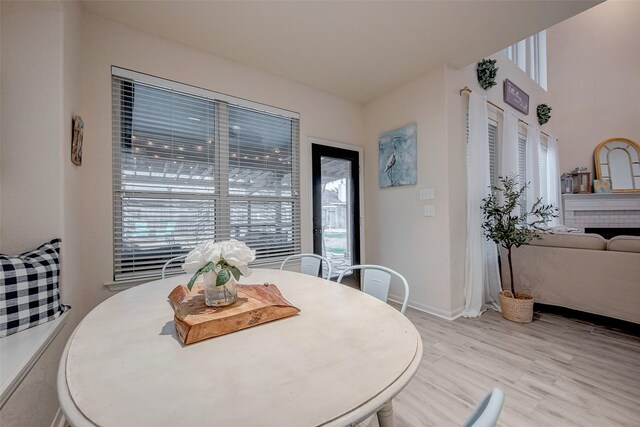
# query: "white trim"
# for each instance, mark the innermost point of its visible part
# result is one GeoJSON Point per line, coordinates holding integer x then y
{"type": "Point", "coordinates": [319, 141]}
{"type": "Point", "coordinates": [22, 350]}
{"type": "Point", "coordinates": [59, 420]}
{"type": "Point", "coordinates": [201, 92]}
{"type": "Point", "coordinates": [123, 285]}
{"type": "Point", "coordinates": [447, 315]}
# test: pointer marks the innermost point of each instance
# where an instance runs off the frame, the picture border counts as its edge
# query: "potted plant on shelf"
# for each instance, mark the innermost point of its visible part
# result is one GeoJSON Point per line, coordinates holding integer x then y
{"type": "Point", "coordinates": [505, 224]}
{"type": "Point", "coordinates": [221, 264]}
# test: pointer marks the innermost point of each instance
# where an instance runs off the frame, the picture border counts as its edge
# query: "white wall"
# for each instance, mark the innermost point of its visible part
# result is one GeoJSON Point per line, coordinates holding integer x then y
{"type": "Point", "coordinates": [398, 235]}
{"type": "Point", "coordinates": [106, 43]}
{"type": "Point", "coordinates": [39, 184]}
{"type": "Point", "coordinates": [31, 128]}
{"type": "Point", "coordinates": [594, 69]}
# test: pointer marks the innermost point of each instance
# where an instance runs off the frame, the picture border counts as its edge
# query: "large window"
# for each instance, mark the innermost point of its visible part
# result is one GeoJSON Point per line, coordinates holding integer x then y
{"type": "Point", "coordinates": [191, 165]}
{"type": "Point", "coordinates": [530, 55]}
{"type": "Point", "coordinates": [494, 149]}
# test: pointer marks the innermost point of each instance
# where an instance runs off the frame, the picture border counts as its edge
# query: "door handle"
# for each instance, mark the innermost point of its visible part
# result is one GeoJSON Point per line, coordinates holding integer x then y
{"type": "Point", "coordinates": [317, 231]}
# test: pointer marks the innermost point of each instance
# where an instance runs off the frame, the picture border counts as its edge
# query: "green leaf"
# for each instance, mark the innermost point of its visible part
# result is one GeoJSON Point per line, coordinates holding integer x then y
{"type": "Point", "coordinates": [223, 277]}
{"type": "Point", "coordinates": [204, 269]}
{"type": "Point", "coordinates": [192, 281]}
{"type": "Point", "coordinates": [236, 273]}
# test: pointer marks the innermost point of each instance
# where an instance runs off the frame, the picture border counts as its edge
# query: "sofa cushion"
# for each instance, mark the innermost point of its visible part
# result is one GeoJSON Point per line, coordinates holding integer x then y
{"type": "Point", "coordinates": [572, 240]}
{"type": "Point", "coordinates": [624, 244]}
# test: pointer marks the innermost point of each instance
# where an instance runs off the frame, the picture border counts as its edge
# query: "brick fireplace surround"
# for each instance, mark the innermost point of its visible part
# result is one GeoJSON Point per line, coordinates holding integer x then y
{"type": "Point", "coordinates": [603, 211]}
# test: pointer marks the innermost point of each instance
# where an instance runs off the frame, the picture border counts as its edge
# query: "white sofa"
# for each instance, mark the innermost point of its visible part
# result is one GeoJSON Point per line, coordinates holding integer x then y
{"type": "Point", "coordinates": [581, 271]}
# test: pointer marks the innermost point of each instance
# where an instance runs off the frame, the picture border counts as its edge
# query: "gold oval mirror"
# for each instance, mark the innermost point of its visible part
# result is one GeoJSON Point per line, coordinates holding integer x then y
{"type": "Point", "coordinates": [618, 160]}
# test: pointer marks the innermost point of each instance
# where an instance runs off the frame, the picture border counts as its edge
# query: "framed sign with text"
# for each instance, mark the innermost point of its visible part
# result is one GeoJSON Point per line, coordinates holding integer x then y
{"type": "Point", "coordinates": [516, 97]}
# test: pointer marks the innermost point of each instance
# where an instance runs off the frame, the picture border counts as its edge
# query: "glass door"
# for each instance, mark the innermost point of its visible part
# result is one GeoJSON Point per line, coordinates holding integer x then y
{"type": "Point", "coordinates": [336, 206]}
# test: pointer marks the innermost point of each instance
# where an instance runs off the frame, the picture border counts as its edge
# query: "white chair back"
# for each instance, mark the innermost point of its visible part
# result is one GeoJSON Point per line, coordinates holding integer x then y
{"type": "Point", "coordinates": [488, 411]}
{"type": "Point", "coordinates": [310, 264]}
{"type": "Point", "coordinates": [376, 281]}
{"type": "Point", "coordinates": [166, 264]}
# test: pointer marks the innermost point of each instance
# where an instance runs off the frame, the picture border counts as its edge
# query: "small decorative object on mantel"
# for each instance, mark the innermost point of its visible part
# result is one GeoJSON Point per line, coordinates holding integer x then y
{"type": "Point", "coordinates": [76, 142]}
{"type": "Point", "coordinates": [581, 180]}
{"type": "Point", "coordinates": [566, 183]}
{"type": "Point", "coordinates": [544, 113]}
{"type": "Point", "coordinates": [486, 72]}
{"type": "Point", "coordinates": [221, 264]}
{"type": "Point", "coordinates": [397, 157]}
{"type": "Point", "coordinates": [516, 97]}
{"type": "Point", "coordinates": [507, 230]}
{"type": "Point", "coordinates": [196, 321]}
{"type": "Point", "coordinates": [601, 186]}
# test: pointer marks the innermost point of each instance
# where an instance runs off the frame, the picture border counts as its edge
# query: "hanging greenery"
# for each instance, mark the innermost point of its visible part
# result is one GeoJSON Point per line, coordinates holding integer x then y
{"type": "Point", "coordinates": [544, 113]}
{"type": "Point", "coordinates": [487, 72]}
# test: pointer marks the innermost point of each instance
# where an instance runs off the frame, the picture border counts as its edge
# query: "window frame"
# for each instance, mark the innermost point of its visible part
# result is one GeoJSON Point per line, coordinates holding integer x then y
{"type": "Point", "coordinates": [221, 198]}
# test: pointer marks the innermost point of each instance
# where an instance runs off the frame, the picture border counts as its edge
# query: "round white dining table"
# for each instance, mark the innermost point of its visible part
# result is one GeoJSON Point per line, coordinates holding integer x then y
{"type": "Point", "coordinates": [341, 359]}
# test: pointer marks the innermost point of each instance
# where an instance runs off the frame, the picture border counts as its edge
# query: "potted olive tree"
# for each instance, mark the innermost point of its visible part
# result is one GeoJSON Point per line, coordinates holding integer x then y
{"type": "Point", "coordinates": [509, 226]}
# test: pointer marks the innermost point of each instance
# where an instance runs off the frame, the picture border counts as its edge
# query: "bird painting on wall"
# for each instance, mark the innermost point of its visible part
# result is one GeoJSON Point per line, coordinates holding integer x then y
{"type": "Point", "coordinates": [397, 157]}
{"type": "Point", "coordinates": [388, 169]}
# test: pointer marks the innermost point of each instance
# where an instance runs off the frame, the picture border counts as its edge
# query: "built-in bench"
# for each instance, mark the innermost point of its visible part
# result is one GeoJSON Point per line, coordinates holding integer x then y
{"type": "Point", "coordinates": [20, 351]}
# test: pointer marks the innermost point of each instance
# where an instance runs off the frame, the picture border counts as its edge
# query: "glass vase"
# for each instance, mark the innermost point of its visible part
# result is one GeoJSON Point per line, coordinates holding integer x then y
{"type": "Point", "coordinates": [219, 296]}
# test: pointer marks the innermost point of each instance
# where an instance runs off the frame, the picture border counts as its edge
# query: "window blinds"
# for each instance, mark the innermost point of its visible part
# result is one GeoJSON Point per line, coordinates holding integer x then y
{"type": "Point", "coordinates": [543, 173]}
{"type": "Point", "coordinates": [522, 168]}
{"type": "Point", "coordinates": [189, 165]}
{"type": "Point", "coordinates": [493, 148]}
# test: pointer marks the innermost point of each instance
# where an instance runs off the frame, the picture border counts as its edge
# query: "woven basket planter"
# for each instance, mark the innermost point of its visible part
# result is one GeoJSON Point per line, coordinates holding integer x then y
{"type": "Point", "coordinates": [518, 309]}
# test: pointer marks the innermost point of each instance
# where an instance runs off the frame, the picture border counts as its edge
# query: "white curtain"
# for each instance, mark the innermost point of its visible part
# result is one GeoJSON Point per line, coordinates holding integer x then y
{"type": "Point", "coordinates": [482, 279]}
{"type": "Point", "coordinates": [509, 144]}
{"type": "Point", "coordinates": [533, 165]}
{"type": "Point", "coordinates": [553, 179]}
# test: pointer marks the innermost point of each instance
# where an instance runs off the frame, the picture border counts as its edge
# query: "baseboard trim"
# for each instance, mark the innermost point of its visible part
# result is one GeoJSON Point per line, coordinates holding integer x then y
{"type": "Point", "coordinates": [59, 420]}
{"type": "Point", "coordinates": [444, 314]}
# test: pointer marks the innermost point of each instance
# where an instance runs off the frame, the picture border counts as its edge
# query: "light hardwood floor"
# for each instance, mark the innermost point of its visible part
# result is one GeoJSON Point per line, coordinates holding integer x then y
{"type": "Point", "coordinates": [554, 372]}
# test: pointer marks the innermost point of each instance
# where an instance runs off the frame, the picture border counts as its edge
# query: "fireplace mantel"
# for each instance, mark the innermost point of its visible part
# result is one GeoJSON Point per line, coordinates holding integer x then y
{"type": "Point", "coordinates": [610, 210]}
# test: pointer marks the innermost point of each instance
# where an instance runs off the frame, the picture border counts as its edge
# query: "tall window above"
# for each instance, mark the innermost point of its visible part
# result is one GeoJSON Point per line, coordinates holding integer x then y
{"type": "Point", "coordinates": [191, 165]}
{"type": "Point", "coordinates": [531, 56]}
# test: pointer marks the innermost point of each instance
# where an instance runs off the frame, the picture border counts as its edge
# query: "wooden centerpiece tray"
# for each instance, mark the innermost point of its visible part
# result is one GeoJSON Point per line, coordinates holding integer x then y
{"type": "Point", "coordinates": [256, 304]}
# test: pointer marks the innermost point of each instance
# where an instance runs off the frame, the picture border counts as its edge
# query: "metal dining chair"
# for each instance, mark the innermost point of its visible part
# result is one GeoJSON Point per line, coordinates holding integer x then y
{"type": "Point", "coordinates": [166, 264]}
{"type": "Point", "coordinates": [488, 411]}
{"type": "Point", "coordinates": [376, 282]}
{"type": "Point", "coordinates": [310, 264]}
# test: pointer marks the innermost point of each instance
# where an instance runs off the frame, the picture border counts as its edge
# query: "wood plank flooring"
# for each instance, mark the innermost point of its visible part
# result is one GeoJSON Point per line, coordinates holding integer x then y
{"type": "Point", "coordinates": [555, 371]}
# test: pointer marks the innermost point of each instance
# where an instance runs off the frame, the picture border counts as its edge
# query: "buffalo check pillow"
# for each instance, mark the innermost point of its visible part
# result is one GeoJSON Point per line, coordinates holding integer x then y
{"type": "Point", "coordinates": [29, 294]}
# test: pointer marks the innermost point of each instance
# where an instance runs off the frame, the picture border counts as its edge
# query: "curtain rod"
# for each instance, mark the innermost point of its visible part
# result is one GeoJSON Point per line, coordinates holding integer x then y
{"type": "Point", "coordinates": [467, 90]}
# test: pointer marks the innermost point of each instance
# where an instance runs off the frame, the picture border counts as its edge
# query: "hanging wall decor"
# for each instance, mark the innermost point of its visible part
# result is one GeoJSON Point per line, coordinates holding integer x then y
{"type": "Point", "coordinates": [487, 72]}
{"type": "Point", "coordinates": [516, 97]}
{"type": "Point", "coordinates": [397, 161]}
{"type": "Point", "coordinates": [544, 113]}
{"type": "Point", "coordinates": [76, 142]}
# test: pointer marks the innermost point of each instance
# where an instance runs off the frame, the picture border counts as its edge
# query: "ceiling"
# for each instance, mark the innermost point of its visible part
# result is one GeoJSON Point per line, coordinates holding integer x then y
{"type": "Point", "coordinates": [358, 49]}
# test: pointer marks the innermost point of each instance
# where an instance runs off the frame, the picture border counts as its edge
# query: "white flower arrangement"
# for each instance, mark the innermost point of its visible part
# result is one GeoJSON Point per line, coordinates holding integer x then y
{"type": "Point", "coordinates": [227, 258]}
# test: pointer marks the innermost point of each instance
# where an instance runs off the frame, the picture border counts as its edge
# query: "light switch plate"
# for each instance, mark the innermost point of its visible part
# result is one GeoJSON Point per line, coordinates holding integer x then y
{"type": "Point", "coordinates": [426, 194]}
{"type": "Point", "coordinates": [429, 210]}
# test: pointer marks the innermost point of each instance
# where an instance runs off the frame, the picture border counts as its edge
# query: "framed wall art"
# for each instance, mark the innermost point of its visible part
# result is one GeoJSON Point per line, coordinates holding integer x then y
{"type": "Point", "coordinates": [397, 157]}
{"type": "Point", "coordinates": [76, 142]}
{"type": "Point", "coordinates": [516, 97]}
